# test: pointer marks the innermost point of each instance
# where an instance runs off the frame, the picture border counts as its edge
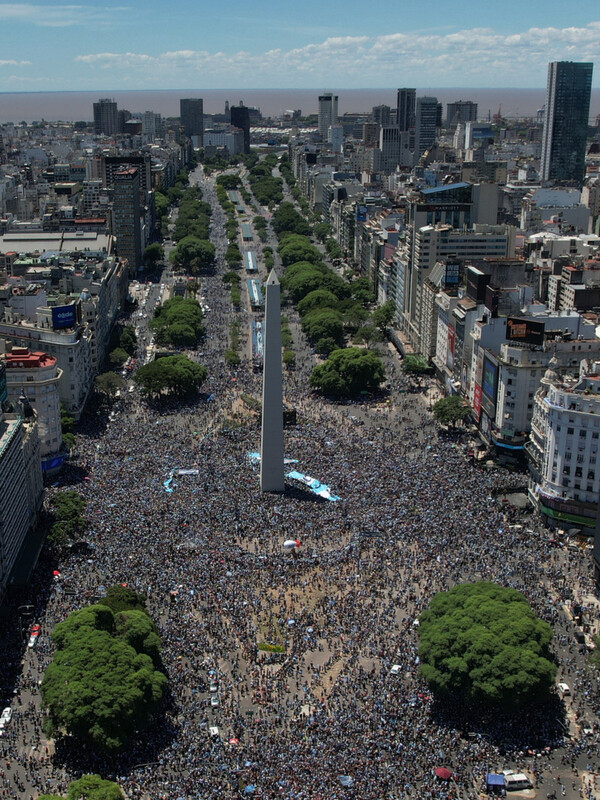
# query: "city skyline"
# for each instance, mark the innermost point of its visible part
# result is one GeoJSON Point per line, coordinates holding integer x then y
{"type": "Point", "coordinates": [67, 47]}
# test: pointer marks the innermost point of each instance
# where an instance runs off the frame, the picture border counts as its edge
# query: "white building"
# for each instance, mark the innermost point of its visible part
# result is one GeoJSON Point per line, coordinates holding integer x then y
{"type": "Point", "coordinates": [36, 376]}
{"type": "Point", "coordinates": [563, 449]}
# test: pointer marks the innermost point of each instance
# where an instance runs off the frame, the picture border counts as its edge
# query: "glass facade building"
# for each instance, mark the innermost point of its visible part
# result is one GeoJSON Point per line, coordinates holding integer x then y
{"type": "Point", "coordinates": [566, 121]}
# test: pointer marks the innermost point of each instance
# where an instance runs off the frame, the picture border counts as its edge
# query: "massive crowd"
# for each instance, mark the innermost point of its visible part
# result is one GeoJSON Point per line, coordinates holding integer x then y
{"type": "Point", "coordinates": [414, 517]}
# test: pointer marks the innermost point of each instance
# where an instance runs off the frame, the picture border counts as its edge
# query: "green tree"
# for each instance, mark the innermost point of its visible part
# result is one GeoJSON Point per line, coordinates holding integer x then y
{"type": "Point", "coordinates": [194, 254]}
{"type": "Point", "coordinates": [362, 291]}
{"type": "Point", "coordinates": [347, 372]}
{"type": "Point", "coordinates": [229, 181]}
{"type": "Point", "coordinates": [482, 643]}
{"type": "Point", "coordinates": [69, 521]}
{"type": "Point", "coordinates": [322, 231]}
{"type": "Point", "coordinates": [450, 410]}
{"type": "Point", "coordinates": [109, 383]}
{"type": "Point", "coordinates": [99, 686]}
{"type": "Point", "coordinates": [153, 254]}
{"type": "Point", "coordinates": [297, 250]}
{"type": "Point", "coordinates": [128, 339]}
{"type": "Point", "coordinates": [320, 298]}
{"type": "Point", "coordinates": [414, 365]}
{"type": "Point", "coordinates": [117, 357]}
{"type": "Point", "coordinates": [324, 323]}
{"type": "Point", "coordinates": [67, 423]}
{"type": "Point", "coordinates": [233, 257]}
{"type": "Point", "coordinates": [286, 218]}
{"type": "Point", "coordinates": [178, 321]}
{"type": "Point", "coordinates": [122, 598]}
{"type": "Point", "coordinates": [383, 315]}
{"type": "Point", "coordinates": [172, 375]}
{"type": "Point", "coordinates": [89, 787]}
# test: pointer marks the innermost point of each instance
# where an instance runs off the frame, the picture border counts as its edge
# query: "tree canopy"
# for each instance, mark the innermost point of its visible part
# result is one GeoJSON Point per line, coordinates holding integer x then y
{"type": "Point", "coordinates": [383, 315]}
{"type": "Point", "coordinates": [415, 365]}
{"type": "Point", "coordinates": [103, 685]}
{"type": "Point", "coordinates": [450, 410]}
{"type": "Point", "coordinates": [171, 375]}
{"type": "Point", "coordinates": [108, 383]}
{"type": "Point", "coordinates": [70, 523]}
{"type": "Point", "coordinates": [193, 254]}
{"type": "Point", "coordinates": [178, 322]}
{"type": "Point", "coordinates": [347, 372]}
{"type": "Point", "coordinates": [482, 643]}
{"type": "Point", "coordinates": [286, 218]}
{"type": "Point", "coordinates": [153, 254]}
{"type": "Point", "coordinates": [89, 787]}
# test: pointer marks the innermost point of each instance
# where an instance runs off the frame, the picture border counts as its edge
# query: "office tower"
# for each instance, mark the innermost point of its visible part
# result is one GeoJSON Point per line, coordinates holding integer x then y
{"type": "Point", "coordinates": [106, 118]}
{"type": "Point", "coordinates": [426, 119]}
{"type": "Point", "coordinates": [460, 111]}
{"type": "Point", "coordinates": [21, 481]}
{"type": "Point", "coordinates": [381, 115]}
{"type": "Point", "coordinates": [271, 441]}
{"type": "Point", "coordinates": [566, 122]}
{"type": "Point", "coordinates": [126, 216]}
{"type": "Point", "coordinates": [240, 118]}
{"type": "Point", "coordinates": [328, 112]}
{"type": "Point", "coordinates": [141, 160]}
{"type": "Point", "coordinates": [405, 113]}
{"type": "Point", "coordinates": [191, 112]}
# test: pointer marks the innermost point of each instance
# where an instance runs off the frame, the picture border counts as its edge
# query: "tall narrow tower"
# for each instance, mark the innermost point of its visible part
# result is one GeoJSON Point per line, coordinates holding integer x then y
{"type": "Point", "coordinates": [566, 122]}
{"type": "Point", "coordinates": [271, 442]}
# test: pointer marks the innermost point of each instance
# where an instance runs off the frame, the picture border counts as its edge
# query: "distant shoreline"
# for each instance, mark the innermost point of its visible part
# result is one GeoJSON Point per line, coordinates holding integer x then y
{"type": "Point", "coordinates": [70, 105]}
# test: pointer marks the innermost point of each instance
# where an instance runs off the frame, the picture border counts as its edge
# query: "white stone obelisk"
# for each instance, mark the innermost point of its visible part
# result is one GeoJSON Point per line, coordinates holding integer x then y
{"type": "Point", "coordinates": [271, 440]}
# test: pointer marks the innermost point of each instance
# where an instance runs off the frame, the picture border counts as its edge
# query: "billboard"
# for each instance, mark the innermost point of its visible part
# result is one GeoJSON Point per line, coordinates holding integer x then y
{"type": "Point", "coordinates": [489, 386]}
{"type": "Point", "coordinates": [450, 352]}
{"type": "Point", "coordinates": [477, 401]}
{"type": "Point", "coordinates": [452, 277]}
{"type": "Point", "coordinates": [63, 316]}
{"type": "Point", "coordinates": [523, 330]}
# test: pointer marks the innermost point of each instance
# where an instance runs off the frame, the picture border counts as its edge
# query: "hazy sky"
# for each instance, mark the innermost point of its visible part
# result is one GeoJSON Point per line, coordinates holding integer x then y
{"type": "Point", "coordinates": [202, 44]}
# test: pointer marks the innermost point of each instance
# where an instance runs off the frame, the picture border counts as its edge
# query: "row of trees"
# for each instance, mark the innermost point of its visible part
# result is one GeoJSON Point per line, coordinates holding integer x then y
{"type": "Point", "coordinates": [194, 252]}
{"type": "Point", "coordinates": [267, 189]}
{"type": "Point", "coordinates": [70, 523]}
{"type": "Point", "coordinates": [105, 681]}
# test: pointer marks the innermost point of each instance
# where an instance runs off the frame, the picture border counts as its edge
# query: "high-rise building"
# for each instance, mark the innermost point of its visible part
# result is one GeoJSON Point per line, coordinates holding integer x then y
{"type": "Point", "coordinates": [126, 216]}
{"type": "Point", "coordinates": [566, 121]}
{"type": "Point", "coordinates": [240, 118]}
{"type": "Point", "coordinates": [191, 111]}
{"type": "Point", "coordinates": [405, 109]}
{"type": "Point", "coordinates": [426, 123]}
{"type": "Point", "coordinates": [381, 115]}
{"type": "Point", "coordinates": [106, 118]}
{"type": "Point", "coordinates": [328, 113]}
{"type": "Point", "coordinates": [460, 111]}
{"type": "Point", "coordinates": [21, 481]}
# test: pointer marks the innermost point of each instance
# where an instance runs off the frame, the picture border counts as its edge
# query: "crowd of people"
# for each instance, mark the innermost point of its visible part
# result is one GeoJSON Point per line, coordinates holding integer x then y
{"type": "Point", "coordinates": [328, 715]}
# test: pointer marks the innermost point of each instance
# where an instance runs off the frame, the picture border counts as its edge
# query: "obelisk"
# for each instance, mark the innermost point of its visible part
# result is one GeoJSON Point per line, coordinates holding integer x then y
{"type": "Point", "coordinates": [271, 440]}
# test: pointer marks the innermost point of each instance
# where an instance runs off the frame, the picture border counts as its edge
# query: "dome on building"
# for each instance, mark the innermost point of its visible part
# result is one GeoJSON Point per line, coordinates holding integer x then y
{"type": "Point", "coordinates": [551, 377]}
{"type": "Point", "coordinates": [85, 294]}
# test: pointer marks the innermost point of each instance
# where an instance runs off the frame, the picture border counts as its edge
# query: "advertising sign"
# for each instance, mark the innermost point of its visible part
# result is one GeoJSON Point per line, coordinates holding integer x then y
{"type": "Point", "coordinates": [361, 213]}
{"type": "Point", "coordinates": [450, 353]}
{"type": "Point", "coordinates": [63, 316]}
{"type": "Point", "coordinates": [523, 330]}
{"type": "Point", "coordinates": [477, 401]}
{"type": "Point", "coordinates": [489, 386]}
{"type": "Point", "coordinates": [452, 274]}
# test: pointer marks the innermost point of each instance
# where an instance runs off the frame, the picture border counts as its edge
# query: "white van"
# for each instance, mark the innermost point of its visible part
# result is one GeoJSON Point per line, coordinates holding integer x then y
{"type": "Point", "coordinates": [564, 690]}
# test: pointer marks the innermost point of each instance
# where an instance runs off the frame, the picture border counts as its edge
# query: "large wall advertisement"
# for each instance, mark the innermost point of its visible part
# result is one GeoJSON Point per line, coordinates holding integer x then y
{"type": "Point", "coordinates": [489, 386]}
{"type": "Point", "coordinates": [524, 330]}
{"type": "Point", "coordinates": [63, 316]}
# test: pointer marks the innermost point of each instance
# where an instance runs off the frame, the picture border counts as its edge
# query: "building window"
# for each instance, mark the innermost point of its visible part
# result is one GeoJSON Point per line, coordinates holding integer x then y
{"type": "Point", "coordinates": [583, 432]}
{"type": "Point", "coordinates": [570, 431]}
{"type": "Point", "coordinates": [566, 470]}
{"type": "Point", "coordinates": [591, 474]}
